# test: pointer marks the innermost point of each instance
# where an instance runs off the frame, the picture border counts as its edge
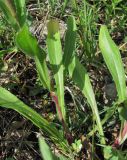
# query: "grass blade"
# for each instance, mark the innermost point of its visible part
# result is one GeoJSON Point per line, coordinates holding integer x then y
{"type": "Point", "coordinates": [10, 101]}
{"type": "Point", "coordinates": [15, 12]}
{"type": "Point", "coordinates": [9, 13]}
{"type": "Point", "coordinates": [70, 40]}
{"type": "Point", "coordinates": [81, 78]}
{"type": "Point", "coordinates": [20, 8]}
{"type": "Point", "coordinates": [55, 57]}
{"type": "Point", "coordinates": [113, 61]}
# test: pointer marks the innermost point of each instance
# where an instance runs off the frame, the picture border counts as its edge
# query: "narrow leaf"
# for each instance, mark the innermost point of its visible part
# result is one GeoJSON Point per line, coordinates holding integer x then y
{"type": "Point", "coordinates": [9, 12]}
{"type": "Point", "coordinates": [81, 78]}
{"type": "Point", "coordinates": [26, 42]}
{"type": "Point", "coordinates": [70, 40]}
{"type": "Point", "coordinates": [55, 57]}
{"type": "Point", "coordinates": [10, 101]}
{"type": "Point", "coordinates": [40, 61]}
{"type": "Point", "coordinates": [20, 8]}
{"type": "Point", "coordinates": [15, 12]}
{"type": "Point", "coordinates": [113, 61]}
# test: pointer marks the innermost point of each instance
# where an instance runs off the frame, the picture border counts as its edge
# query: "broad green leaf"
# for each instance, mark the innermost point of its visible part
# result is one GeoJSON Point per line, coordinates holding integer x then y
{"type": "Point", "coordinates": [28, 44]}
{"type": "Point", "coordinates": [55, 57]}
{"type": "Point", "coordinates": [10, 101]}
{"type": "Point", "coordinates": [81, 78]}
{"type": "Point", "coordinates": [70, 40]}
{"type": "Point", "coordinates": [113, 61]}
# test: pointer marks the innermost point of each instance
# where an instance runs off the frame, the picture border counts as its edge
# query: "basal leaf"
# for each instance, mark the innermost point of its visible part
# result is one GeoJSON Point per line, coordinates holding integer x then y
{"type": "Point", "coordinates": [55, 57]}
{"type": "Point", "coordinates": [26, 42]}
{"type": "Point", "coordinates": [10, 101]}
{"type": "Point", "coordinates": [113, 61]}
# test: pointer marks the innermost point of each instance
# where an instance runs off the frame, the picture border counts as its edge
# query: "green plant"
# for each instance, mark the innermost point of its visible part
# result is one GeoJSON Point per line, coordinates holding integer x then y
{"type": "Point", "coordinates": [114, 63]}
{"type": "Point", "coordinates": [113, 60]}
{"type": "Point", "coordinates": [8, 100]}
{"type": "Point", "coordinates": [30, 47]}
{"type": "Point", "coordinates": [19, 23]}
{"type": "Point", "coordinates": [63, 63]}
{"type": "Point", "coordinates": [55, 57]}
